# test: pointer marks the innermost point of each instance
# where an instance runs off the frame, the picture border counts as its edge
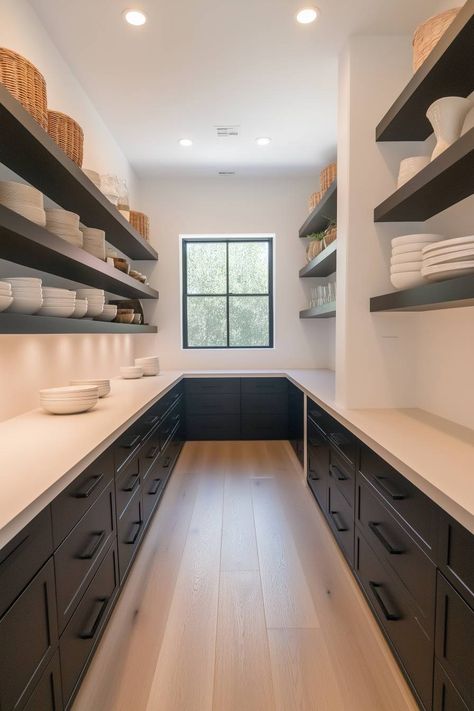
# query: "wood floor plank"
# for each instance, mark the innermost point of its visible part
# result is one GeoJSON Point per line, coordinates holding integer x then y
{"type": "Point", "coordinates": [239, 542]}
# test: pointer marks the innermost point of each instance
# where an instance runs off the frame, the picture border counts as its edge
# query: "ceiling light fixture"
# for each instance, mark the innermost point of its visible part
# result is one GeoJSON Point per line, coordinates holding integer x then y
{"type": "Point", "coordinates": [263, 141]}
{"type": "Point", "coordinates": [185, 142]}
{"type": "Point", "coordinates": [307, 15]}
{"type": "Point", "coordinates": [135, 17]}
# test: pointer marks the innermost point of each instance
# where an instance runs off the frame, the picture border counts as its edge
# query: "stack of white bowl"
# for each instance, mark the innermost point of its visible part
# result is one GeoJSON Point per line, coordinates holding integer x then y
{"type": "Point", "coordinates": [108, 314]}
{"type": "Point", "coordinates": [6, 296]}
{"type": "Point", "coordinates": [150, 365]}
{"type": "Point", "coordinates": [27, 294]}
{"type": "Point", "coordinates": [24, 200]}
{"type": "Point", "coordinates": [94, 241]}
{"type": "Point", "coordinates": [448, 259]}
{"type": "Point", "coordinates": [102, 385]}
{"type": "Point", "coordinates": [95, 301]}
{"type": "Point", "coordinates": [407, 259]}
{"type": "Point", "coordinates": [64, 224]}
{"type": "Point", "coordinates": [69, 400]}
{"type": "Point", "coordinates": [80, 309]}
{"type": "Point", "coordinates": [131, 372]}
{"type": "Point", "coordinates": [93, 175]}
{"type": "Point", "coordinates": [57, 302]}
{"type": "Point", "coordinates": [409, 167]}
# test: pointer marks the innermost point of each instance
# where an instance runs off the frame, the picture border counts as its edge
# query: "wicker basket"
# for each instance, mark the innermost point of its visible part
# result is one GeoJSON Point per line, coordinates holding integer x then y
{"type": "Point", "coordinates": [314, 200]}
{"type": "Point", "coordinates": [330, 236]}
{"type": "Point", "coordinates": [428, 35]}
{"type": "Point", "coordinates": [26, 83]}
{"type": "Point", "coordinates": [67, 134]}
{"type": "Point", "coordinates": [141, 223]}
{"type": "Point", "coordinates": [328, 176]}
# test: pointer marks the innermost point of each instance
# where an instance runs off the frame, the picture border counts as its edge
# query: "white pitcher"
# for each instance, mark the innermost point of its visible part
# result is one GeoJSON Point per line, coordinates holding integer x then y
{"type": "Point", "coordinates": [447, 116]}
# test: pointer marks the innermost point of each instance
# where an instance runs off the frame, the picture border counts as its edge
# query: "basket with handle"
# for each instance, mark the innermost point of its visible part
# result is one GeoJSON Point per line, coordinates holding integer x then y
{"type": "Point", "coordinates": [25, 83]}
{"type": "Point", "coordinates": [67, 134]}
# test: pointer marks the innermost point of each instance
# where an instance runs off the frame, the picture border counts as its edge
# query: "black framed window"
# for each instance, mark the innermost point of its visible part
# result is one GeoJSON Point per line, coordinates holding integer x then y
{"type": "Point", "coordinates": [228, 292]}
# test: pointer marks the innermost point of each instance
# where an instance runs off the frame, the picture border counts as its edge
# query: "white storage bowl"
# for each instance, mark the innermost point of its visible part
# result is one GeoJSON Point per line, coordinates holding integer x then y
{"type": "Point", "coordinates": [5, 302]}
{"type": "Point", "coordinates": [407, 280]}
{"type": "Point", "coordinates": [27, 305]}
{"type": "Point", "coordinates": [131, 372]}
{"type": "Point", "coordinates": [103, 386]}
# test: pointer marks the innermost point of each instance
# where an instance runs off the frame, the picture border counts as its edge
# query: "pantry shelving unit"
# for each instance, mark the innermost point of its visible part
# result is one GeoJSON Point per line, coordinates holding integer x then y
{"type": "Point", "coordinates": [21, 324]}
{"type": "Point", "coordinates": [322, 214]}
{"type": "Point", "coordinates": [323, 264]}
{"type": "Point", "coordinates": [324, 311]}
{"type": "Point", "coordinates": [448, 294]}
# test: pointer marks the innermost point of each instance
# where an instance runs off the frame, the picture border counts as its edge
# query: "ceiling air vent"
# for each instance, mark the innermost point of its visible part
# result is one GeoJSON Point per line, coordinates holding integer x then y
{"type": "Point", "coordinates": [227, 172]}
{"type": "Point", "coordinates": [227, 131]}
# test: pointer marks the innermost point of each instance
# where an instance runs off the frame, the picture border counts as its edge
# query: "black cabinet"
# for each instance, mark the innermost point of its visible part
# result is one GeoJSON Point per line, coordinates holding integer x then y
{"type": "Point", "coordinates": [456, 556]}
{"type": "Point", "coordinates": [445, 695]}
{"type": "Point", "coordinates": [318, 465]}
{"type": "Point", "coordinates": [264, 408]}
{"type": "Point", "coordinates": [47, 695]}
{"type": "Point", "coordinates": [212, 408]}
{"type": "Point", "coordinates": [296, 421]}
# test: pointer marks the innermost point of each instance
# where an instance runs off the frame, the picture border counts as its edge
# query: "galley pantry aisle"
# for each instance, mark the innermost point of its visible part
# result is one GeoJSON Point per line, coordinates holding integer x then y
{"type": "Point", "coordinates": [240, 599]}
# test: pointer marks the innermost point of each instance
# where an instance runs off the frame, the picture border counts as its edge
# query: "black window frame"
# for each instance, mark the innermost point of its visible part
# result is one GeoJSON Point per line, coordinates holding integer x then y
{"type": "Point", "coordinates": [227, 295]}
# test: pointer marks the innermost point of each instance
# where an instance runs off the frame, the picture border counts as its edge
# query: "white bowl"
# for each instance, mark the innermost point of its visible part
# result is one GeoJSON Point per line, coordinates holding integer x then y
{"type": "Point", "coordinates": [33, 214]}
{"type": "Point", "coordinates": [27, 305]}
{"type": "Point", "coordinates": [80, 308]}
{"type": "Point", "coordinates": [23, 281]}
{"type": "Point", "coordinates": [415, 239]}
{"type": "Point", "coordinates": [5, 289]}
{"type": "Point", "coordinates": [93, 309]}
{"type": "Point", "coordinates": [407, 280]}
{"type": "Point", "coordinates": [11, 190]}
{"type": "Point", "coordinates": [69, 391]}
{"type": "Point", "coordinates": [90, 293]}
{"type": "Point", "coordinates": [57, 215]}
{"type": "Point", "coordinates": [131, 372]}
{"type": "Point", "coordinates": [103, 386]}
{"type": "Point", "coordinates": [407, 248]}
{"type": "Point", "coordinates": [60, 303]}
{"type": "Point", "coordinates": [407, 257]}
{"type": "Point", "coordinates": [71, 407]}
{"type": "Point", "coordinates": [108, 314]}
{"type": "Point", "coordinates": [5, 302]}
{"type": "Point", "coordinates": [59, 311]}
{"type": "Point", "coordinates": [409, 167]}
{"type": "Point", "coordinates": [53, 291]}
{"type": "Point", "coordinates": [406, 267]}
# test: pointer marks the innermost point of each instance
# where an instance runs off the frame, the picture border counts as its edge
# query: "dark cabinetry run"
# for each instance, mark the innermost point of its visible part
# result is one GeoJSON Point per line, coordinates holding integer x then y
{"type": "Point", "coordinates": [296, 421]}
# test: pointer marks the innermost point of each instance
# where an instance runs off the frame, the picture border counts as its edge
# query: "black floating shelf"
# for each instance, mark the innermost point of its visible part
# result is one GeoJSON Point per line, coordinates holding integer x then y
{"type": "Point", "coordinates": [322, 265]}
{"type": "Point", "coordinates": [23, 242]}
{"type": "Point", "coordinates": [324, 311]}
{"type": "Point", "coordinates": [322, 214]}
{"type": "Point", "coordinates": [21, 324]}
{"type": "Point", "coordinates": [449, 294]}
{"type": "Point", "coordinates": [30, 152]}
{"type": "Point", "coordinates": [444, 73]}
{"type": "Point", "coordinates": [444, 182]}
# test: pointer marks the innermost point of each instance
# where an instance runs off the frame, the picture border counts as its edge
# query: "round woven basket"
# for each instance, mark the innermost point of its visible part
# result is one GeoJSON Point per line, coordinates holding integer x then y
{"type": "Point", "coordinates": [67, 134]}
{"type": "Point", "coordinates": [330, 236]}
{"type": "Point", "coordinates": [315, 199]}
{"type": "Point", "coordinates": [328, 176]}
{"type": "Point", "coordinates": [26, 83]}
{"type": "Point", "coordinates": [141, 223]}
{"type": "Point", "coordinates": [428, 34]}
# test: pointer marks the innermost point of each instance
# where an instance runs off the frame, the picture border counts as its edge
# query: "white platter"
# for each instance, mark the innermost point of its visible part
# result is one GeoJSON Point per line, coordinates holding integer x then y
{"type": "Point", "coordinates": [415, 238]}
{"type": "Point", "coordinates": [448, 271]}
{"type": "Point", "coordinates": [405, 249]}
{"type": "Point", "coordinates": [463, 255]}
{"type": "Point", "coordinates": [407, 257]}
{"type": "Point", "coordinates": [455, 242]}
{"type": "Point", "coordinates": [406, 267]}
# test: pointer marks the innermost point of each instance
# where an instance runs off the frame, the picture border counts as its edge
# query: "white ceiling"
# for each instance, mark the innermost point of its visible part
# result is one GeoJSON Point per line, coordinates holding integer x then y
{"type": "Point", "coordinates": [200, 63]}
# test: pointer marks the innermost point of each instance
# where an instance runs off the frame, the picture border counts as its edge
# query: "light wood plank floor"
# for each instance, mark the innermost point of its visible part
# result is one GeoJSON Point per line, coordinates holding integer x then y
{"type": "Point", "coordinates": [240, 600]}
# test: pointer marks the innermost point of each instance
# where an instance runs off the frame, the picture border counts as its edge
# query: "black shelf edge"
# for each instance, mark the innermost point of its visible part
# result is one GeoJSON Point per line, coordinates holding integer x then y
{"type": "Point", "coordinates": [444, 182]}
{"type": "Point", "coordinates": [21, 324]}
{"type": "Point", "coordinates": [444, 73]}
{"type": "Point", "coordinates": [23, 242]}
{"type": "Point", "coordinates": [449, 294]}
{"type": "Point", "coordinates": [30, 152]}
{"type": "Point", "coordinates": [322, 265]}
{"type": "Point", "coordinates": [322, 214]}
{"type": "Point", "coordinates": [324, 311]}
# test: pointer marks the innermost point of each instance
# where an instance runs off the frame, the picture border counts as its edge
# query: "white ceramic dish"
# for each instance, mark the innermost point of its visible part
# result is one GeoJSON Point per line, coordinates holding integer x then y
{"type": "Point", "coordinates": [449, 243]}
{"type": "Point", "coordinates": [23, 281]}
{"type": "Point", "coordinates": [103, 386]}
{"type": "Point", "coordinates": [415, 239]}
{"type": "Point", "coordinates": [53, 291]}
{"type": "Point", "coordinates": [80, 308]}
{"type": "Point", "coordinates": [26, 306]}
{"type": "Point", "coordinates": [462, 256]}
{"type": "Point", "coordinates": [407, 280]}
{"type": "Point", "coordinates": [108, 314]}
{"type": "Point", "coordinates": [407, 257]}
{"type": "Point", "coordinates": [70, 391]}
{"type": "Point", "coordinates": [407, 248]}
{"type": "Point", "coordinates": [5, 302]}
{"type": "Point", "coordinates": [409, 167]}
{"type": "Point", "coordinates": [33, 214]}
{"type": "Point", "coordinates": [58, 216]}
{"type": "Point", "coordinates": [94, 310]}
{"type": "Point", "coordinates": [15, 191]}
{"type": "Point", "coordinates": [59, 311]}
{"type": "Point", "coordinates": [448, 271]}
{"type": "Point", "coordinates": [406, 267]}
{"type": "Point", "coordinates": [88, 293]}
{"type": "Point", "coordinates": [60, 303]}
{"type": "Point", "coordinates": [73, 407]}
{"type": "Point", "coordinates": [5, 289]}
{"type": "Point", "coordinates": [131, 372]}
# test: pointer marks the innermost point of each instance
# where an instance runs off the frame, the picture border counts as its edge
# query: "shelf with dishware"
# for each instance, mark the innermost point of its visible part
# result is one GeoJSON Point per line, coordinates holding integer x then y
{"type": "Point", "coordinates": [448, 294]}
{"type": "Point", "coordinates": [323, 264]}
{"type": "Point", "coordinates": [323, 311]}
{"type": "Point", "coordinates": [323, 214]}
{"type": "Point", "coordinates": [14, 323]}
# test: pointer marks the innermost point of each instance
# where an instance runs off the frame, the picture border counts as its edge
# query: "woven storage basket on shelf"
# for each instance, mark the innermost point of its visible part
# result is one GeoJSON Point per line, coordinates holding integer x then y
{"type": "Point", "coordinates": [25, 83]}
{"type": "Point", "coordinates": [67, 134]}
{"type": "Point", "coordinates": [428, 34]}
{"type": "Point", "coordinates": [328, 176]}
{"type": "Point", "coordinates": [314, 200]}
{"type": "Point", "coordinates": [330, 236]}
{"type": "Point", "coordinates": [141, 223]}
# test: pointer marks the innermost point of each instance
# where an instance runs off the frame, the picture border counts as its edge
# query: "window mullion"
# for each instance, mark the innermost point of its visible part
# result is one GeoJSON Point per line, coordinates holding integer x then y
{"type": "Point", "coordinates": [227, 294]}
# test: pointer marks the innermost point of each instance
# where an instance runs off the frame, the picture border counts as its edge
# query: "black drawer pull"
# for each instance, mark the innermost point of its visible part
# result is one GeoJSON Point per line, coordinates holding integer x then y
{"type": "Point", "coordinates": [383, 602]}
{"type": "Point", "coordinates": [131, 443]}
{"type": "Point", "coordinates": [393, 550]}
{"type": "Point", "coordinates": [314, 443]}
{"type": "Point", "coordinates": [335, 471]}
{"type": "Point", "coordinates": [152, 453]}
{"type": "Point", "coordinates": [89, 487]}
{"type": "Point", "coordinates": [132, 482]}
{"type": "Point", "coordinates": [166, 463]}
{"type": "Point", "coordinates": [93, 547]}
{"type": "Point", "coordinates": [155, 487]}
{"type": "Point", "coordinates": [94, 618]}
{"type": "Point", "coordinates": [393, 493]}
{"type": "Point", "coordinates": [340, 527]}
{"type": "Point", "coordinates": [134, 531]}
{"type": "Point", "coordinates": [152, 421]}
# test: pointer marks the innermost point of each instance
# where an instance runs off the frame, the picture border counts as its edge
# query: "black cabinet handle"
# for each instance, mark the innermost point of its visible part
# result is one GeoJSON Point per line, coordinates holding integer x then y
{"type": "Point", "coordinates": [314, 443]}
{"type": "Point", "coordinates": [335, 471]}
{"type": "Point", "coordinates": [155, 487]}
{"type": "Point", "coordinates": [132, 482]}
{"type": "Point", "coordinates": [131, 443]}
{"type": "Point", "coordinates": [152, 453]}
{"type": "Point", "coordinates": [152, 421]}
{"type": "Point", "coordinates": [340, 527]}
{"type": "Point", "coordinates": [166, 463]}
{"type": "Point", "coordinates": [134, 531]}
{"type": "Point", "coordinates": [385, 484]}
{"type": "Point", "coordinates": [393, 550]}
{"type": "Point", "coordinates": [383, 602]}
{"type": "Point", "coordinates": [313, 475]}
{"type": "Point", "coordinates": [94, 618]}
{"type": "Point", "coordinates": [89, 487]}
{"type": "Point", "coordinates": [90, 551]}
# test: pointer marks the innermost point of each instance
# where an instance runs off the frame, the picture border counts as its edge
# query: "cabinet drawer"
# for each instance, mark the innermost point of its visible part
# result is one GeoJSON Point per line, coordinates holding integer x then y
{"type": "Point", "coordinates": [318, 465]}
{"type": "Point", "coordinates": [395, 614]}
{"type": "Point", "coordinates": [342, 474]}
{"type": "Point", "coordinates": [320, 417]}
{"type": "Point", "coordinates": [416, 509]}
{"type": "Point", "coordinates": [272, 402]}
{"type": "Point", "coordinates": [130, 529]}
{"type": "Point", "coordinates": [152, 490]}
{"type": "Point", "coordinates": [83, 631]}
{"type": "Point", "coordinates": [264, 385]}
{"type": "Point", "coordinates": [212, 403]}
{"type": "Point", "coordinates": [76, 560]}
{"type": "Point", "coordinates": [150, 452]}
{"type": "Point", "coordinates": [212, 385]}
{"type": "Point", "coordinates": [28, 638]}
{"type": "Point", "coordinates": [445, 695]}
{"type": "Point", "coordinates": [341, 520]}
{"type": "Point", "coordinates": [126, 484]}
{"type": "Point", "coordinates": [456, 556]}
{"type": "Point", "coordinates": [47, 695]}
{"type": "Point", "coordinates": [70, 506]}
{"type": "Point", "coordinates": [128, 444]}
{"type": "Point", "coordinates": [264, 425]}
{"type": "Point", "coordinates": [454, 638]}
{"type": "Point", "coordinates": [164, 403]}
{"type": "Point", "coordinates": [23, 556]}
{"type": "Point", "coordinates": [208, 427]}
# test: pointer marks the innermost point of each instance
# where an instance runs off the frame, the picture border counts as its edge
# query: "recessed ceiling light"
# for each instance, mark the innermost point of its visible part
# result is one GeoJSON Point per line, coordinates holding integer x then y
{"type": "Point", "coordinates": [263, 141]}
{"type": "Point", "coordinates": [307, 15]}
{"type": "Point", "coordinates": [186, 142]}
{"type": "Point", "coordinates": [135, 17]}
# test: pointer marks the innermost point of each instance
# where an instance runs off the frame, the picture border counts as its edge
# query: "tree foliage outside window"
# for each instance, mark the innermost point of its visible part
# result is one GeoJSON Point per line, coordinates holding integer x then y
{"type": "Point", "coordinates": [228, 293]}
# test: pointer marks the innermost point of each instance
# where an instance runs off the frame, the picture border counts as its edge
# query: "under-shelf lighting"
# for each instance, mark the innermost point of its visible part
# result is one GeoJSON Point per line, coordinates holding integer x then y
{"type": "Point", "coordinates": [137, 18]}
{"type": "Point", "coordinates": [307, 15]}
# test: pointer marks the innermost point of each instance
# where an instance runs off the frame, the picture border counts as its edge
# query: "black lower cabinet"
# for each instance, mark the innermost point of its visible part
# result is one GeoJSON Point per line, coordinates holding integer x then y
{"type": "Point", "coordinates": [318, 466]}
{"type": "Point", "coordinates": [445, 695]}
{"type": "Point", "coordinates": [130, 527]}
{"type": "Point", "coordinates": [341, 519]}
{"type": "Point", "coordinates": [47, 695]}
{"type": "Point", "coordinates": [296, 421]}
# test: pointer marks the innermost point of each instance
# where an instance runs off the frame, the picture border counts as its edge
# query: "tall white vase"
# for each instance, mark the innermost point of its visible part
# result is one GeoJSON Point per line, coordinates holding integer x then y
{"type": "Point", "coordinates": [447, 116]}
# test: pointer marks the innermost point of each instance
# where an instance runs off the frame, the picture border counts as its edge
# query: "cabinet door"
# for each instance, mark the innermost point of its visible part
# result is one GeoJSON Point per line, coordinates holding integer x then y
{"type": "Point", "coordinates": [445, 695]}
{"type": "Point", "coordinates": [47, 695]}
{"type": "Point", "coordinates": [456, 557]}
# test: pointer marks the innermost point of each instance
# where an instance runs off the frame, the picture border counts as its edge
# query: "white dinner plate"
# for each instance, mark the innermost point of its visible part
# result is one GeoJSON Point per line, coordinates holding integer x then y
{"type": "Point", "coordinates": [448, 271]}
{"type": "Point", "coordinates": [410, 239]}
{"type": "Point", "coordinates": [455, 242]}
{"type": "Point", "coordinates": [462, 256]}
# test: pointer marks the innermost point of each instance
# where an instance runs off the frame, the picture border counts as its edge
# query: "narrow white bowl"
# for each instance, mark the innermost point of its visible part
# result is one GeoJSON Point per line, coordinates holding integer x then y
{"type": "Point", "coordinates": [131, 372]}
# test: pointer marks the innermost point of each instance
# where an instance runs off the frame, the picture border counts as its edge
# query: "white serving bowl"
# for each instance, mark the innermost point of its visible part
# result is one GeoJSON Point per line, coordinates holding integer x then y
{"type": "Point", "coordinates": [70, 391]}
{"type": "Point", "coordinates": [59, 311]}
{"type": "Point", "coordinates": [407, 248]}
{"type": "Point", "coordinates": [5, 302]}
{"type": "Point", "coordinates": [409, 167]}
{"type": "Point", "coordinates": [108, 314]}
{"type": "Point", "coordinates": [13, 191]}
{"type": "Point", "coordinates": [26, 306]}
{"type": "Point", "coordinates": [150, 365]}
{"type": "Point", "coordinates": [94, 310]}
{"type": "Point", "coordinates": [407, 257]}
{"type": "Point", "coordinates": [80, 308]}
{"type": "Point", "coordinates": [68, 407]}
{"type": "Point", "coordinates": [103, 386]}
{"type": "Point", "coordinates": [407, 280]}
{"type": "Point", "coordinates": [90, 293]}
{"type": "Point", "coordinates": [60, 302]}
{"type": "Point", "coordinates": [53, 291]}
{"type": "Point", "coordinates": [58, 216]}
{"type": "Point", "coordinates": [406, 267]}
{"type": "Point", "coordinates": [131, 372]}
{"type": "Point", "coordinates": [415, 239]}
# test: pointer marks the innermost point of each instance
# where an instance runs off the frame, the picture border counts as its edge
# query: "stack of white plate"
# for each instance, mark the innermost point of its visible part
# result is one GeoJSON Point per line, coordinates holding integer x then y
{"type": "Point", "coordinates": [93, 175]}
{"type": "Point", "coordinates": [407, 259]}
{"type": "Point", "coordinates": [102, 385]}
{"type": "Point", "coordinates": [150, 365]}
{"type": "Point", "coordinates": [94, 241]}
{"type": "Point", "coordinates": [448, 259]}
{"type": "Point", "coordinates": [80, 309]}
{"type": "Point", "coordinates": [69, 400]}
{"type": "Point", "coordinates": [95, 301]}
{"type": "Point", "coordinates": [64, 224]}
{"type": "Point", "coordinates": [57, 302]}
{"type": "Point", "coordinates": [108, 314]}
{"type": "Point", "coordinates": [27, 294]}
{"type": "Point", "coordinates": [24, 200]}
{"type": "Point", "coordinates": [6, 298]}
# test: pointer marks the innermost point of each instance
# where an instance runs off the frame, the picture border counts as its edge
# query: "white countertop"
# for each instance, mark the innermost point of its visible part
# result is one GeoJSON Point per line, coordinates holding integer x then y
{"type": "Point", "coordinates": [41, 454]}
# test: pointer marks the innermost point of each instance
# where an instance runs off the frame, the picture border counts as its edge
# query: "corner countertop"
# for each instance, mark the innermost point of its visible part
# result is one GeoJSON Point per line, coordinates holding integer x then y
{"type": "Point", "coordinates": [41, 454]}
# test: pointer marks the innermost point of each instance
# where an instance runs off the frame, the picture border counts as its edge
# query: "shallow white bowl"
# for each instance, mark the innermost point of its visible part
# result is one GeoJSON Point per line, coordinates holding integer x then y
{"type": "Point", "coordinates": [107, 314]}
{"type": "Point", "coordinates": [69, 391]}
{"type": "Point", "coordinates": [80, 308]}
{"type": "Point", "coordinates": [103, 386]}
{"type": "Point", "coordinates": [25, 306]}
{"type": "Point", "coordinates": [407, 257]}
{"type": "Point", "coordinates": [5, 302]}
{"type": "Point", "coordinates": [409, 167]}
{"type": "Point", "coordinates": [406, 249]}
{"type": "Point", "coordinates": [90, 292]}
{"type": "Point", "coordinates": [15, 191]}
{"type": "Point", "coordinates": [59, 311]}
{"type": "Point", "coordinates": [94, 310]}
{"type": "Point", "coordinates": [416, 238]}
{"type": "Point", "coordinates": [407, 280]}
{"type": "Point", "coordinates": [57, 215]}
{"type": "Point", "coordinates": [52, 291]}
{"type": "Point", "coordinates": [72, 407]}
{"type": "Point", "coordinates": [23, 281]}
{"type": "Point", "coordinates": [406, 267]}
{"type": "Point", "coordinates": [131, 372]}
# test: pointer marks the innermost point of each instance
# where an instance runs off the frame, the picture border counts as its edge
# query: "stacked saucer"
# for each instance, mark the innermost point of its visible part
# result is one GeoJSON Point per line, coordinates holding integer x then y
{"type": "Point", "coordinates": [95, 301]}
{"type": "Point", "coordinates": [448, 259]}
{"type": "Point", "coordinates": [150, 365]}
{"type": "Point", "coordinates": [57, 302]}
{"type": "Point", "coordinates": [94, 241]}
{"type": "Point", "coordinates": [27, 294]}
{"type": "Point", "coordinates": [80, 309]}
{"type": "Point", "coordinates": [6, 298]}
{"type": "Point", "coordinates": [69, 400]}
{"type": "Point", "coordinates": [407, 259]}
{"type": "Point", "coordinates": [24, 200]}
{"type": "Point", "coordinates": [108, 314]}
{"type": "Point", "coordinates": [64, 224]}
{"type": "Point", "coordinates": [102, 385]}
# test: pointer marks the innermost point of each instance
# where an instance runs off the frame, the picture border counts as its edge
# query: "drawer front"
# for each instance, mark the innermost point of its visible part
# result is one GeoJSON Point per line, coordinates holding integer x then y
{"type": "Point", "coordinates": [264, 425]}
{"type": "Point", "coordinates": [209, 403]}
{"type": "Point", "coordinates": [47, 695]}
{"type": "Point", "coordinates": [342, 474]}
{"type": "Point", "coordinates": [406, 500]}
{"type": "Point", "coordinates": [272, 402]}
{"type": "Point", "coordinates": [391, 543]}
{"type": "Point", "coordinates": [130, 530]}
{"type": "Point", "coordinates": [83, 631]}
{"type": "Point", "coordinates": [23, 556]}
{"type": "Point", "coordinates": [341, 520]}
{"type": "Point", "coordinates": [150, 452]}
{"type": "Point", "coordinates": [71, 505]}
{"type": "Point", "coordinates": [320, 417]}
{"type": "Point", "coordinates": [209, 427]}
{"type": "Point", "coordinates": [201, 386]}
{"type": "Point", "coordinates": [337, 434]}
{"type": "Point", "coordinates": [126, 484]}
{"type": "Point", "coordinates": [28, 638]}
{"type": "Point", "coordinates": [170, 425]}
{"type": "Point", "coordinates": [456, 556]}
{"type": "Point", "coordinates": [264, 385]}
{"type": "Point", "coordinates": [318, 466]}
{"type": "Point", "coordinates": [445, 695]}
{"type": "Point", "coordinates": [77, 559]}
{"type": "Point", "coordinates": [455, 638]}
{"type": "Point", "coordinates": [152, 490]}
{"type": "Point", "coordinates": [164, 403]}
{"type": "Point", "coordinates": [128, 444]}
{"type": "Point", "coordinates": [395, 614]}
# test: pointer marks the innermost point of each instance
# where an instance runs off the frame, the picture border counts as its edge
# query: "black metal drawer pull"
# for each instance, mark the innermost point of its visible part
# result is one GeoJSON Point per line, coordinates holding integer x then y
{"type": "Point", "coordinates": [134, 531]}
{"type": "Point", "coordinates": [166, 463]}
{"type": "Point", "coordinates": [152, 421]}
{"type": "Point", "coordinates": [335, 471]}
{"type": "Point", "coordinates": [313, 475]}
{"type": "Point", "coordinates": [93, 547]}
{"type": "Point", "coordinates": [152, 453]}
{"type": "Point", "coordinates": [94, 618]}
{"type": "Point", "coordinates": [89, 487]}
{"type": "Point", "coordinates": [155, 487]}
{"type": "Point", "coordinates": [390, 490]}
{"type": "Point", "coordinates": [383, 602]}
{"type": "Point", "coordinates": [314, 443]}
{"type": "Point", "coordinates": [340, 527]}
{"type": "Point", "coordinates": [393, 550]}
{"type": "Point", "coordinates": [131, 443]}
{"type": "Point", "coordinates": [132, 483]}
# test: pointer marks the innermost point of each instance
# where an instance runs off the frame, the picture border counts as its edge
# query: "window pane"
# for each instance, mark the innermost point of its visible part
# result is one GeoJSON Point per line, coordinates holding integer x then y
{"type": "Point", "coordinates": [207, 321]}
{"type": "Point", "coordinates": [248, 267]}
{"type": "Point", "coordinates": [206, 267]}
{"type": "Point", "coordinates": [248, 321]}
